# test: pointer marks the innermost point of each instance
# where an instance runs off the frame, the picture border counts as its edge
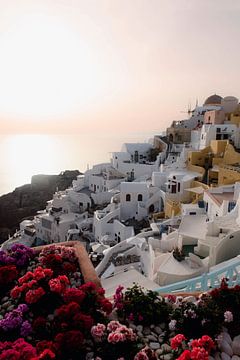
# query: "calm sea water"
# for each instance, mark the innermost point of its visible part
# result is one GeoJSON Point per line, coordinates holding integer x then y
{"type": "Point", "coordinates": [25, 155]}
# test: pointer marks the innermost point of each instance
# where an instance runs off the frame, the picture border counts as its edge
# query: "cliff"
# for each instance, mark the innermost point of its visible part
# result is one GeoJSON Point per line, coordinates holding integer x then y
{"type": "Point", "coordinates": [26, 200]}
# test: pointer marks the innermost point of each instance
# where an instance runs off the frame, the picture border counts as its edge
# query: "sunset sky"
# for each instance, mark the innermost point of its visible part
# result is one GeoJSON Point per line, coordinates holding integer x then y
{"type": "Point", "coordinates": [133, 65]}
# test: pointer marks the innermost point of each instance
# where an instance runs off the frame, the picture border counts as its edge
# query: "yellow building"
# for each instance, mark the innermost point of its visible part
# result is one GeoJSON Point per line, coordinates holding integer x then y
{"type": "Point", "coordinates": [219, 163]}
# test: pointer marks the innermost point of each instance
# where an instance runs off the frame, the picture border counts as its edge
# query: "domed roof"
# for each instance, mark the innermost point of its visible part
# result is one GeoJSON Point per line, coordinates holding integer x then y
{"type": "Point", "coordinates": [213, 100]}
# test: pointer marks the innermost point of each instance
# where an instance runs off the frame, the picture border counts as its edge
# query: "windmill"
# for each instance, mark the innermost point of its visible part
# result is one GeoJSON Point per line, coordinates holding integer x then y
{"type": "Point", "coordinates": [189, 111]}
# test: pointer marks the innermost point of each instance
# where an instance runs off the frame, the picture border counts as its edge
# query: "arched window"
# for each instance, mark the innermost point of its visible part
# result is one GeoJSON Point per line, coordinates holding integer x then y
{"type": "Point", "coordinates": [128, 197]}
{"type": "Point", "coordinates": [140, 197]}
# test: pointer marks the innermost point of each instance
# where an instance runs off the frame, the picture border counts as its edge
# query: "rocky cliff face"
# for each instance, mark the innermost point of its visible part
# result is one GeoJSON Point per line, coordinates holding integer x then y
{"type": "Point", "coordinates": [26, 200]}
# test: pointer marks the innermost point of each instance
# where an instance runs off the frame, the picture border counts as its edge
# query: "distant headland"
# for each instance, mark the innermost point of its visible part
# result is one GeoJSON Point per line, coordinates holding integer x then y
{"type": "Point", "coordinates": [26, 200]}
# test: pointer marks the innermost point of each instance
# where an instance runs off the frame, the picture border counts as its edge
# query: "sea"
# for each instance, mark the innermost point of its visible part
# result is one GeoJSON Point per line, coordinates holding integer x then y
{"type": "Point", "coordinates": [25, 155]}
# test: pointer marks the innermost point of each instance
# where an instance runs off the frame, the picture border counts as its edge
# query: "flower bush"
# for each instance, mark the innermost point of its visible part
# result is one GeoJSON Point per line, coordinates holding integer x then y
{"type": "Point", "coordinates": [114, 341]}
{"type": "Point", "coordinates": [48, 312]}
{"type": "Point", "coordinates": [141, 307]}
{"type": "Point", "coordinates": [198, 349]}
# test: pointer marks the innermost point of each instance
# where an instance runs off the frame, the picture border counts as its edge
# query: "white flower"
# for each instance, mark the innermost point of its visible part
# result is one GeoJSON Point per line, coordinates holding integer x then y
{"type": "Point", "coordinates": [228, 316]}
{"type": "Point", "coordinates": [172, 325]}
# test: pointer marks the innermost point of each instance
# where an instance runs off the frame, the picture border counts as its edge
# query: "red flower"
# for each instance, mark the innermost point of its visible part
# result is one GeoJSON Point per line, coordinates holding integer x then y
{"type": "Point", "coordinates": [58, 284]}
{"type": "Point", "coordinates": [47, 354]}
{"type": "Point", "coordinates": [176, 342]}
{"type": "Point", "coordinates": [199, 353]}
{"type": "Point", "coordinates": [206, 342]}
{"type": "Point", "coordinates": [32, 296]}
{"type": "Point", "coordinates": [15, 292]}
{"type": "Point", "coordinates": [41, 273]}
{"type": "Point", "coordinates": [25, 278]}
{"type": "Point", "coordinates": [8, 273]}
{"type": "Point", "coordinates": [69, 342]}
{"type": "Point", "coordinates": [66, 312]}
{"type": "Point", "coordinates": [68, 267]}
{"type": "Point", "coordinates": [186, 355]}
{"type": "Point", "coordinates": [101, 291]}
{"type": "Point", "coordinates": [88, 287]}
{"type": "Point", "coordinates": [106, 305]}
{"type": "Point", "coordinates": [75, 295]}
{"type": "Point", "coordinates": [84, 321]}
{"type": "Point", "coordinates": [44, 344]}
{"type": "Point", "coordinates": [39, 326]}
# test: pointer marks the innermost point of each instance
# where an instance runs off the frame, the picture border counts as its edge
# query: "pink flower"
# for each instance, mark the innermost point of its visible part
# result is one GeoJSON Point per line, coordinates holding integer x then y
{"type": "Point", "coordinates": [115, 337]}
{"type": "Point", "coordinates": [140, 317]}
{"type": "Point", "coordinates": [228, 316]}
{"type": "Point", "coordinates": [97, 331]}
{"type": "Point", "coordinates": [113, 325]}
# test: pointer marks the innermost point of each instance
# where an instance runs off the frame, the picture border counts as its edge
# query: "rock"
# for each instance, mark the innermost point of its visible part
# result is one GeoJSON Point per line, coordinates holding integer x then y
{"type": "Point", "coordinates": [152, 338]}
{"type": "Point", "coordinates": [166, 348]}
{"type": "Point", "coordinates": [235, 357]}
{"type": "Point", "coordinates": [227, 337]}
{"type": "Point", "coordinates": [157, 330]}
{"type": "Point", "coordinates": [167, 357]}
{"type": "Point", "coordinates": [225, 356]}
{"type": "Point", "coordinates": [146, 331]}
{"type": "Point", "coordinates": [217, 356]}
{"type": "Point", "coordinates": [154, 345]}
{"type": "Point", "coordinates": [145, 340]}
{"type": "Point", "coordinates": [236, 345]}
{"type": "Point", "coordinates": [132, 326]}
{"type": "Point", "coordinates": [159, 352]}
{"type": "Point", "coordinates": [10, 308]}
{"type": "Point", "coordinates": [162, 326]}
{"type": "Point", "coordinates": [4, 299]}
{"type": "Point", "coordinates": [6, 304]}
{"type": "Point", "coordinates": [160, 340]}
{"type": "Point", "coordinates": [210, 358]}
{"type": "Point", "coordinates": [226, 348]}
{"type": "Point", "coordinates": [140, 334]}
{"type": "Point", "coordinates": [139, 328]}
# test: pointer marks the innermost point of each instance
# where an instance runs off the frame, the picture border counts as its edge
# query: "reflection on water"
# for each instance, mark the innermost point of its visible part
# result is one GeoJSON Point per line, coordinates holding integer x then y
{"type": "Point", "coordinates": [25, 155]}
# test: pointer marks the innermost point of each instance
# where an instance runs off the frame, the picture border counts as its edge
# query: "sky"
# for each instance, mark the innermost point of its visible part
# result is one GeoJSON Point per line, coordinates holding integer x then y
{"type": "Point", "coordinates": [69, 66]}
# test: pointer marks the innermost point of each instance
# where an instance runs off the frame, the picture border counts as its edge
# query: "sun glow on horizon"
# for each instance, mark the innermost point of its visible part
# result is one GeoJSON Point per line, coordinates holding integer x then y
{"type": "Point", "coordinates": [47, 69]}
{"type": "Point", "coordinates": [28, 155]}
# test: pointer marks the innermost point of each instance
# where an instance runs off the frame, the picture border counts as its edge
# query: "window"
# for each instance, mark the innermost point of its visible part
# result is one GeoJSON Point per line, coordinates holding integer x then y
{"type": "Point", "coordinates": [128, 197]}
{"type": "Point", "coordinates": [140, 197]}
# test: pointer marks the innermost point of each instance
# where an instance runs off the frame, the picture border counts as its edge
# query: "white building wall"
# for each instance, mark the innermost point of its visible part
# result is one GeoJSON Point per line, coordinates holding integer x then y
{"type": "Point", "coordinates": [122, 232]}
{"type": "Point", "coordinates": [132, 191]}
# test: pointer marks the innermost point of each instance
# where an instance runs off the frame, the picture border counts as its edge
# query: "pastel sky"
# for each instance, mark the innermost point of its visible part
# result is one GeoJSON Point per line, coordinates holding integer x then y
{"type": "Point", "coordinates": [129, 65]}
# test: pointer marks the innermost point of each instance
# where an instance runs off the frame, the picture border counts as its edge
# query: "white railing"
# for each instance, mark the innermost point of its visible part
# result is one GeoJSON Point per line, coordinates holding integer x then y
{"type": "Point", "coordinates": [207, 281]}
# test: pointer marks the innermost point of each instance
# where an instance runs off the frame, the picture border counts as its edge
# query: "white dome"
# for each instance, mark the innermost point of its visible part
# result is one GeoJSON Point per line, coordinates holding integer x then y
{"type": "Point", "coordinates": [229, 103]}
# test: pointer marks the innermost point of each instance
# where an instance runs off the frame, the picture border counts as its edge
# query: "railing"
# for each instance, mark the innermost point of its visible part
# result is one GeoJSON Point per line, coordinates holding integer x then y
{"type": "Point", "coordinates": [207, 281]}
